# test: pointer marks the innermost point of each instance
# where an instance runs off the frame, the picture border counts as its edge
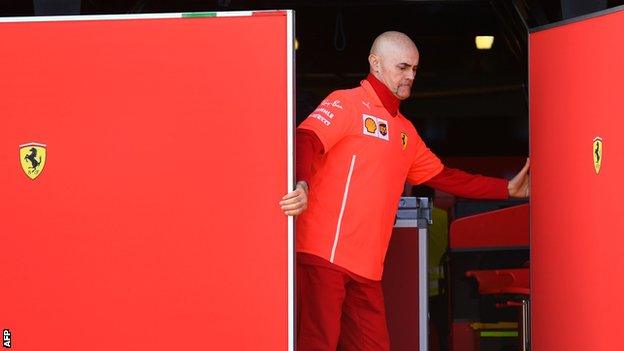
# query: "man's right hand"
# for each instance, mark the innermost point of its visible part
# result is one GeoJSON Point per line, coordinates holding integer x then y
{"type": "Point", "coordinates": [296, 201]}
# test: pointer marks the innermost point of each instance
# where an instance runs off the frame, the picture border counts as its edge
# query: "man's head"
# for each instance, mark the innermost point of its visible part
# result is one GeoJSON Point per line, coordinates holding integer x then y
{"type": "Point", "coordinates": [393, 60]}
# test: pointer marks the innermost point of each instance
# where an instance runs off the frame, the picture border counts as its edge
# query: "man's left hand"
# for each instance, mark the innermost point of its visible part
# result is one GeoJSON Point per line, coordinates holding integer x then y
{"type": "Point", "coordinates": [520, 184]}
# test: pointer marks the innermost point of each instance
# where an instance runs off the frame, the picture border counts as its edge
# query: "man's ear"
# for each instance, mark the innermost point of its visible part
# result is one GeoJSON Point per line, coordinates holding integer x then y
{"type": "Point", "coordinates": [373, 60]}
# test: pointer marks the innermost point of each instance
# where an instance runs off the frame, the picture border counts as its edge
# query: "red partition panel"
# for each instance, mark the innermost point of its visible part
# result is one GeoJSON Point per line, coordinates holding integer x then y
{"type": "Point", "coordinates": [400, 285]}
{"type": "Point", "coordinates": [505, 228]}
{"type": "Point", "coordinates": [154, 223]}
{"type": "Point", "coordinates": [577, 242]}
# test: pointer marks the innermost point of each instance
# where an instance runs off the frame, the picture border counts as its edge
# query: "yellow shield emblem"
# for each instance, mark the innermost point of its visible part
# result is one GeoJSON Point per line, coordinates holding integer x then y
{"type": "Point", "coordinates": [370, 125]}
{"type": "Point", "coordinates": [404, 140]}
{"type": "Point", "coordinates": [597, 148]}
{"type": "Point", "coordinates": [32, 158]}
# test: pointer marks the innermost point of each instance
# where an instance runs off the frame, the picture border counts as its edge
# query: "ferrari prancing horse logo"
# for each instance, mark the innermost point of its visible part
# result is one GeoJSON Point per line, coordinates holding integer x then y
{"type": "Point", "coordinates": [32, 158]}
{"type": "Point", "coordinates": [597, 148]}
{"type": "Point", "coordinates": [404, 140]}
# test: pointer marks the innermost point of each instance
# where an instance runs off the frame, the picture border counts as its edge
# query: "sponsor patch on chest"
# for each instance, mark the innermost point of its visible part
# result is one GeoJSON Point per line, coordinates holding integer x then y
{"type": "Point", "coordinates": [375, 127]}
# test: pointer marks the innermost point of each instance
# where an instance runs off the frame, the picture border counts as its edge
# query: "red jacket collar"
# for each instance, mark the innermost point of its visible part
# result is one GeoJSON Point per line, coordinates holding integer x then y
{"type": "Point", "coordinates": [389, 101]}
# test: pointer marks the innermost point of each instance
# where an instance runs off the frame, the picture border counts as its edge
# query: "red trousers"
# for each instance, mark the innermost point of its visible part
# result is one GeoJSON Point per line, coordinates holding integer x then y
{"type": "Point", "coordinates": [336, 308]}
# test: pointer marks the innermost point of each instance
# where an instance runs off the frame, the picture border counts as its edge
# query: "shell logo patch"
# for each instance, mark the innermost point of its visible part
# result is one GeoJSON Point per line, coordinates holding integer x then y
{"type": "Point", "coordinates": [404, 140]}
{"type": "Point", "coordinates": [370, 125]}
{"type": "Point", "coordinates": [33, 159]}
{"type": "Point", "coordinates": [375, 127]}
{"type": "Point", "coordinates": [597, 148]}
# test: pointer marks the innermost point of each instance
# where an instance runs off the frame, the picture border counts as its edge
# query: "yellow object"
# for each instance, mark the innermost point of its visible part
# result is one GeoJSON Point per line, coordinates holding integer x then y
{"type": "Point", "coordinates": [438, 244]}
{"type": "Point", "coordinates": [484, 42]}
{"type": "Point", "coordinates": [597, 147]}
{"type": "Point", "coordinates": [32, 158]}
{"type": "Point", "coordinates": [370, 125]}
{"type": "Point", "coordinates": [499, 325]}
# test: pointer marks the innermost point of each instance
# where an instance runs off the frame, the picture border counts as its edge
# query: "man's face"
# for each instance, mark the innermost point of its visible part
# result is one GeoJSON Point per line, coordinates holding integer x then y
{"type": "Point", "coordinates": [398, 69]}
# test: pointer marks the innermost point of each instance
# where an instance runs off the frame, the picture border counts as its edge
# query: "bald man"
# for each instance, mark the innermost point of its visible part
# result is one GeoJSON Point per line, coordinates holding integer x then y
{"type": "Point", "coordinates": [354, 154]}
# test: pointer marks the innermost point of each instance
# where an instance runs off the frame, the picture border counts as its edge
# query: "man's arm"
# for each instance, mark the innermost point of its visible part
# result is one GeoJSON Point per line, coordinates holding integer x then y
{"type": "Point", "coordinates": [322, 129]}
{"type": "Point", "coordinates": [308, 147]}
{"type": "Point", "coordinates": [474, 186]}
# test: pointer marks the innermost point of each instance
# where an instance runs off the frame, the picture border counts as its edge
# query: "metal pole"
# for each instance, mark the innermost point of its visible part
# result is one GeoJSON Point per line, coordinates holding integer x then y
{"type": "Point", "coordinates": [423, 290]}
{"type": "Point", "coordinates": [424, 219]}
{"type": "Point", "coordinates": [526, 325]}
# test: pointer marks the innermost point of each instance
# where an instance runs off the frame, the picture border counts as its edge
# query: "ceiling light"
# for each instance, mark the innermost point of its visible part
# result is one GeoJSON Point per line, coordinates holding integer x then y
{"type": "Point", "coordinates": [484, 42]}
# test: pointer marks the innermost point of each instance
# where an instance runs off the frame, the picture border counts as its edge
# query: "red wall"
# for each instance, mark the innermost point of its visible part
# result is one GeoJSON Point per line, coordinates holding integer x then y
{"type": "Point", "coordinates": [577, 242]}
{"type": "Point", "coordinates": [155, 223]}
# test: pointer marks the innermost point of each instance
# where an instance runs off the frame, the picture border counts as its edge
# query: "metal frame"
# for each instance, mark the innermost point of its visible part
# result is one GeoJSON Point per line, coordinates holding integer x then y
{"type": "Point", "coordinates": [290, 63]}
{"type": "Point", "coordinates": [424, 206]}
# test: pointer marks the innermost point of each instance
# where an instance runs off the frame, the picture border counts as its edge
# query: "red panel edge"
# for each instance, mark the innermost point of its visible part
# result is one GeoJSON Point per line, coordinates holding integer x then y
{"type": "Point", "coordinates": [269, 13]}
